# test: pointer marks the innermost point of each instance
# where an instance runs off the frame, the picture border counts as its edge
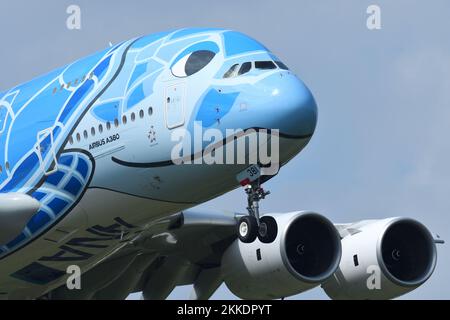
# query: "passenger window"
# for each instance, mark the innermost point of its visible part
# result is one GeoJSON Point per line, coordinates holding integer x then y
{"type": "Point", "coordinates": [93, 131]}
{"type": "Point", "coordinates": [150, 111]}
{"type": "Point", "coordinates": [265, 65]}
{"type": "Point", "coordinates": [108, 126]}
{"type": "Point", "coordinates": [100, 129]}
{"type": "Point", "coordinates": [124, 119]}
{"type": "Point", "coordinates": [71, 140]}
{"type": "Point", "coordinates": [141, 114]}
{"type": "Point", "coordinates": [246, 67]}
{"type": "Point", "coordinates": [116, 122]}
{"type": "Point", "coordinates": [85, 134]}
{"type": "Point", "coordinates": [133, 117]}
{"type": "Point", "coordinates": [231, 72]}
{"type": "Point", "coordinates": [78, 137]}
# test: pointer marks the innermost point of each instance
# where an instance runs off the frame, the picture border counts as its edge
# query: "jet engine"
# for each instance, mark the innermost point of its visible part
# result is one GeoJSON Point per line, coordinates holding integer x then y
{"type": "Point", "coordinates": [382, 259]}
{"type": "Point", "coordinates": [305, 253]}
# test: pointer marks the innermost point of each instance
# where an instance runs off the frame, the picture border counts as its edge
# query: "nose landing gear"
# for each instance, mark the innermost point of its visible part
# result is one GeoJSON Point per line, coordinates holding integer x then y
{"type": "Point", "coordinates": [252, 226]}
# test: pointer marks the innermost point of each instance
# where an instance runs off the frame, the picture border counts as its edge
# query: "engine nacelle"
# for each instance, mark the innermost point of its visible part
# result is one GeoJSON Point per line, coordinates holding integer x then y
{"type": "Point", "coordinates": [383, 259]}
{"type": "Point", "coordinates": [305, 253]}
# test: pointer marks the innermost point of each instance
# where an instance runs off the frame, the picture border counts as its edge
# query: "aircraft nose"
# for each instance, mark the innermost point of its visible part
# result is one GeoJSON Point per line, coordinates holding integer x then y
{"type": "Point", "coordinates": [296, 105]}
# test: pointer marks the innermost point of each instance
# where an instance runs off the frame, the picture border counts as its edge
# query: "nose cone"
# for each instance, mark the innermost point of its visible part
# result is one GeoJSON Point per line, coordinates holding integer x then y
{"type": "Point", "coordinates": [295, 107]}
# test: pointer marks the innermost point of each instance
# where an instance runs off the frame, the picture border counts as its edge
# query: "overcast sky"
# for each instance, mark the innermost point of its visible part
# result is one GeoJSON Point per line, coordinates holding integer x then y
{"type": "Point", "coordinates": [382, 144]}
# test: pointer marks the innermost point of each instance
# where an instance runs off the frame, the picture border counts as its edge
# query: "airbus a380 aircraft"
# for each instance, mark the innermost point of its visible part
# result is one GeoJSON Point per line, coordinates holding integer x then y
{"type": "Point", "coordinates": [88, 178]}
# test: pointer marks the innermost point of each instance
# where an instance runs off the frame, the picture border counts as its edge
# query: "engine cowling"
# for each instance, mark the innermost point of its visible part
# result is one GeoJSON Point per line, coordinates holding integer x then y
{"type": "Point", "coordinates": [383, 259]}
{"type": "Point", "coordinates": [305, 253]}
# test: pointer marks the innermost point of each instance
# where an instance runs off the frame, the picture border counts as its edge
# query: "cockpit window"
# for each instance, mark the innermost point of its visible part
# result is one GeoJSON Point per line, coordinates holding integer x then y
{"type": "Point", "coordinates": [192, 63]}
{"type": "Point", "coordinates": [231, 72]}
{"type": "Point", "coordinates": [265, 65]}
{"type": "Point", "coordinates": [281, 65]}
{"type": "Point", "coordinates": [246, 67]}
{"type": "Point", "coordinates": [237, 69]}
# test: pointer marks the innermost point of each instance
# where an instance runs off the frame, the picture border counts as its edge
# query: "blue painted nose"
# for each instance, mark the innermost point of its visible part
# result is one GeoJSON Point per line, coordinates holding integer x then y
{"type": "Point", "coordinates": [297, 109]}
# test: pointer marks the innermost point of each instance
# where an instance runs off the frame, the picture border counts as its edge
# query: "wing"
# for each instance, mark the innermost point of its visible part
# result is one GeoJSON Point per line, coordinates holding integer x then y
{"type": "Point", "coordinates": [16, 209]}
{"type": "Point", "coordinates": [183, 249]}
{"type": "Point", "coordinates": [200, 248]}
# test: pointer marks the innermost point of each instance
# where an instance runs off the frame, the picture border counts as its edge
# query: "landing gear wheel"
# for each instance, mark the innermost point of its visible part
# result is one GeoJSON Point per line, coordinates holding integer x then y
{"type": "Point", "coordinates": [247, 229]}
{"type": "Point", "coordinates": [268, 229]}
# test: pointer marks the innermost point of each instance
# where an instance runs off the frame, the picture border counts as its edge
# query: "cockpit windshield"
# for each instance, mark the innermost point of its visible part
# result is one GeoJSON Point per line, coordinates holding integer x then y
{"type": "Point", "coordinates": [246, 67]}
{"type": "Point", "coordinates": [240, 69]}
{"type": "Point", "coordinates": [281, 65]}
{"type": "Point", "coordinates": [265, 65]}
{"type": "Point", "coordinates": [231, 71]}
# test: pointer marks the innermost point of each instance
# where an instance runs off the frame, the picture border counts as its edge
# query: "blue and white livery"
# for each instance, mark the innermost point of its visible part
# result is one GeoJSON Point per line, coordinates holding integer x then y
{"type": "Point", "coordinates": [88, 179]}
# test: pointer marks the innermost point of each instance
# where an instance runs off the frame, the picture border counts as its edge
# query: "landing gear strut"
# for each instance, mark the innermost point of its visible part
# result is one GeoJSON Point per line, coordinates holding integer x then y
{"type": "Point", "coordinates": [252, 226]}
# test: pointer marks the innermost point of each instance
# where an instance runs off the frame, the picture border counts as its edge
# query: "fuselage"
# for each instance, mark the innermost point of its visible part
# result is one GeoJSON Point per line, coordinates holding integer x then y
{"type": "Point", "coordinates": [94, 143]}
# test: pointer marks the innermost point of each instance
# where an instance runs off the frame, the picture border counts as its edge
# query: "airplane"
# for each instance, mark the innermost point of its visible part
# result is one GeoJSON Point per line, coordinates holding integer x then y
{"type": "Point", "coordinates": [88, 179]}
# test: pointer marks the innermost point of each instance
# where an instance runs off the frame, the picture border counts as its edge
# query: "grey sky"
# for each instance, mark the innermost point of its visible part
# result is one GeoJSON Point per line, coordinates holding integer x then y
{"type": "Point", "coordinates": [381, 147]}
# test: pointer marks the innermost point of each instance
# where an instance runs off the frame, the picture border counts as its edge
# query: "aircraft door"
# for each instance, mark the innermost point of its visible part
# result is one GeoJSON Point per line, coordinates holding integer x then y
{"type": "Point", "coordinates": [175, 97]}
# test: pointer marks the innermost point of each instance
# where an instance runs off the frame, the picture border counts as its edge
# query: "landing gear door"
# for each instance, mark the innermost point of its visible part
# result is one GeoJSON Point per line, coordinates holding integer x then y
{"type": "Point", "coordinates": [46, 151]}
{"type": "Point", "coordinates": [175, 97]}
